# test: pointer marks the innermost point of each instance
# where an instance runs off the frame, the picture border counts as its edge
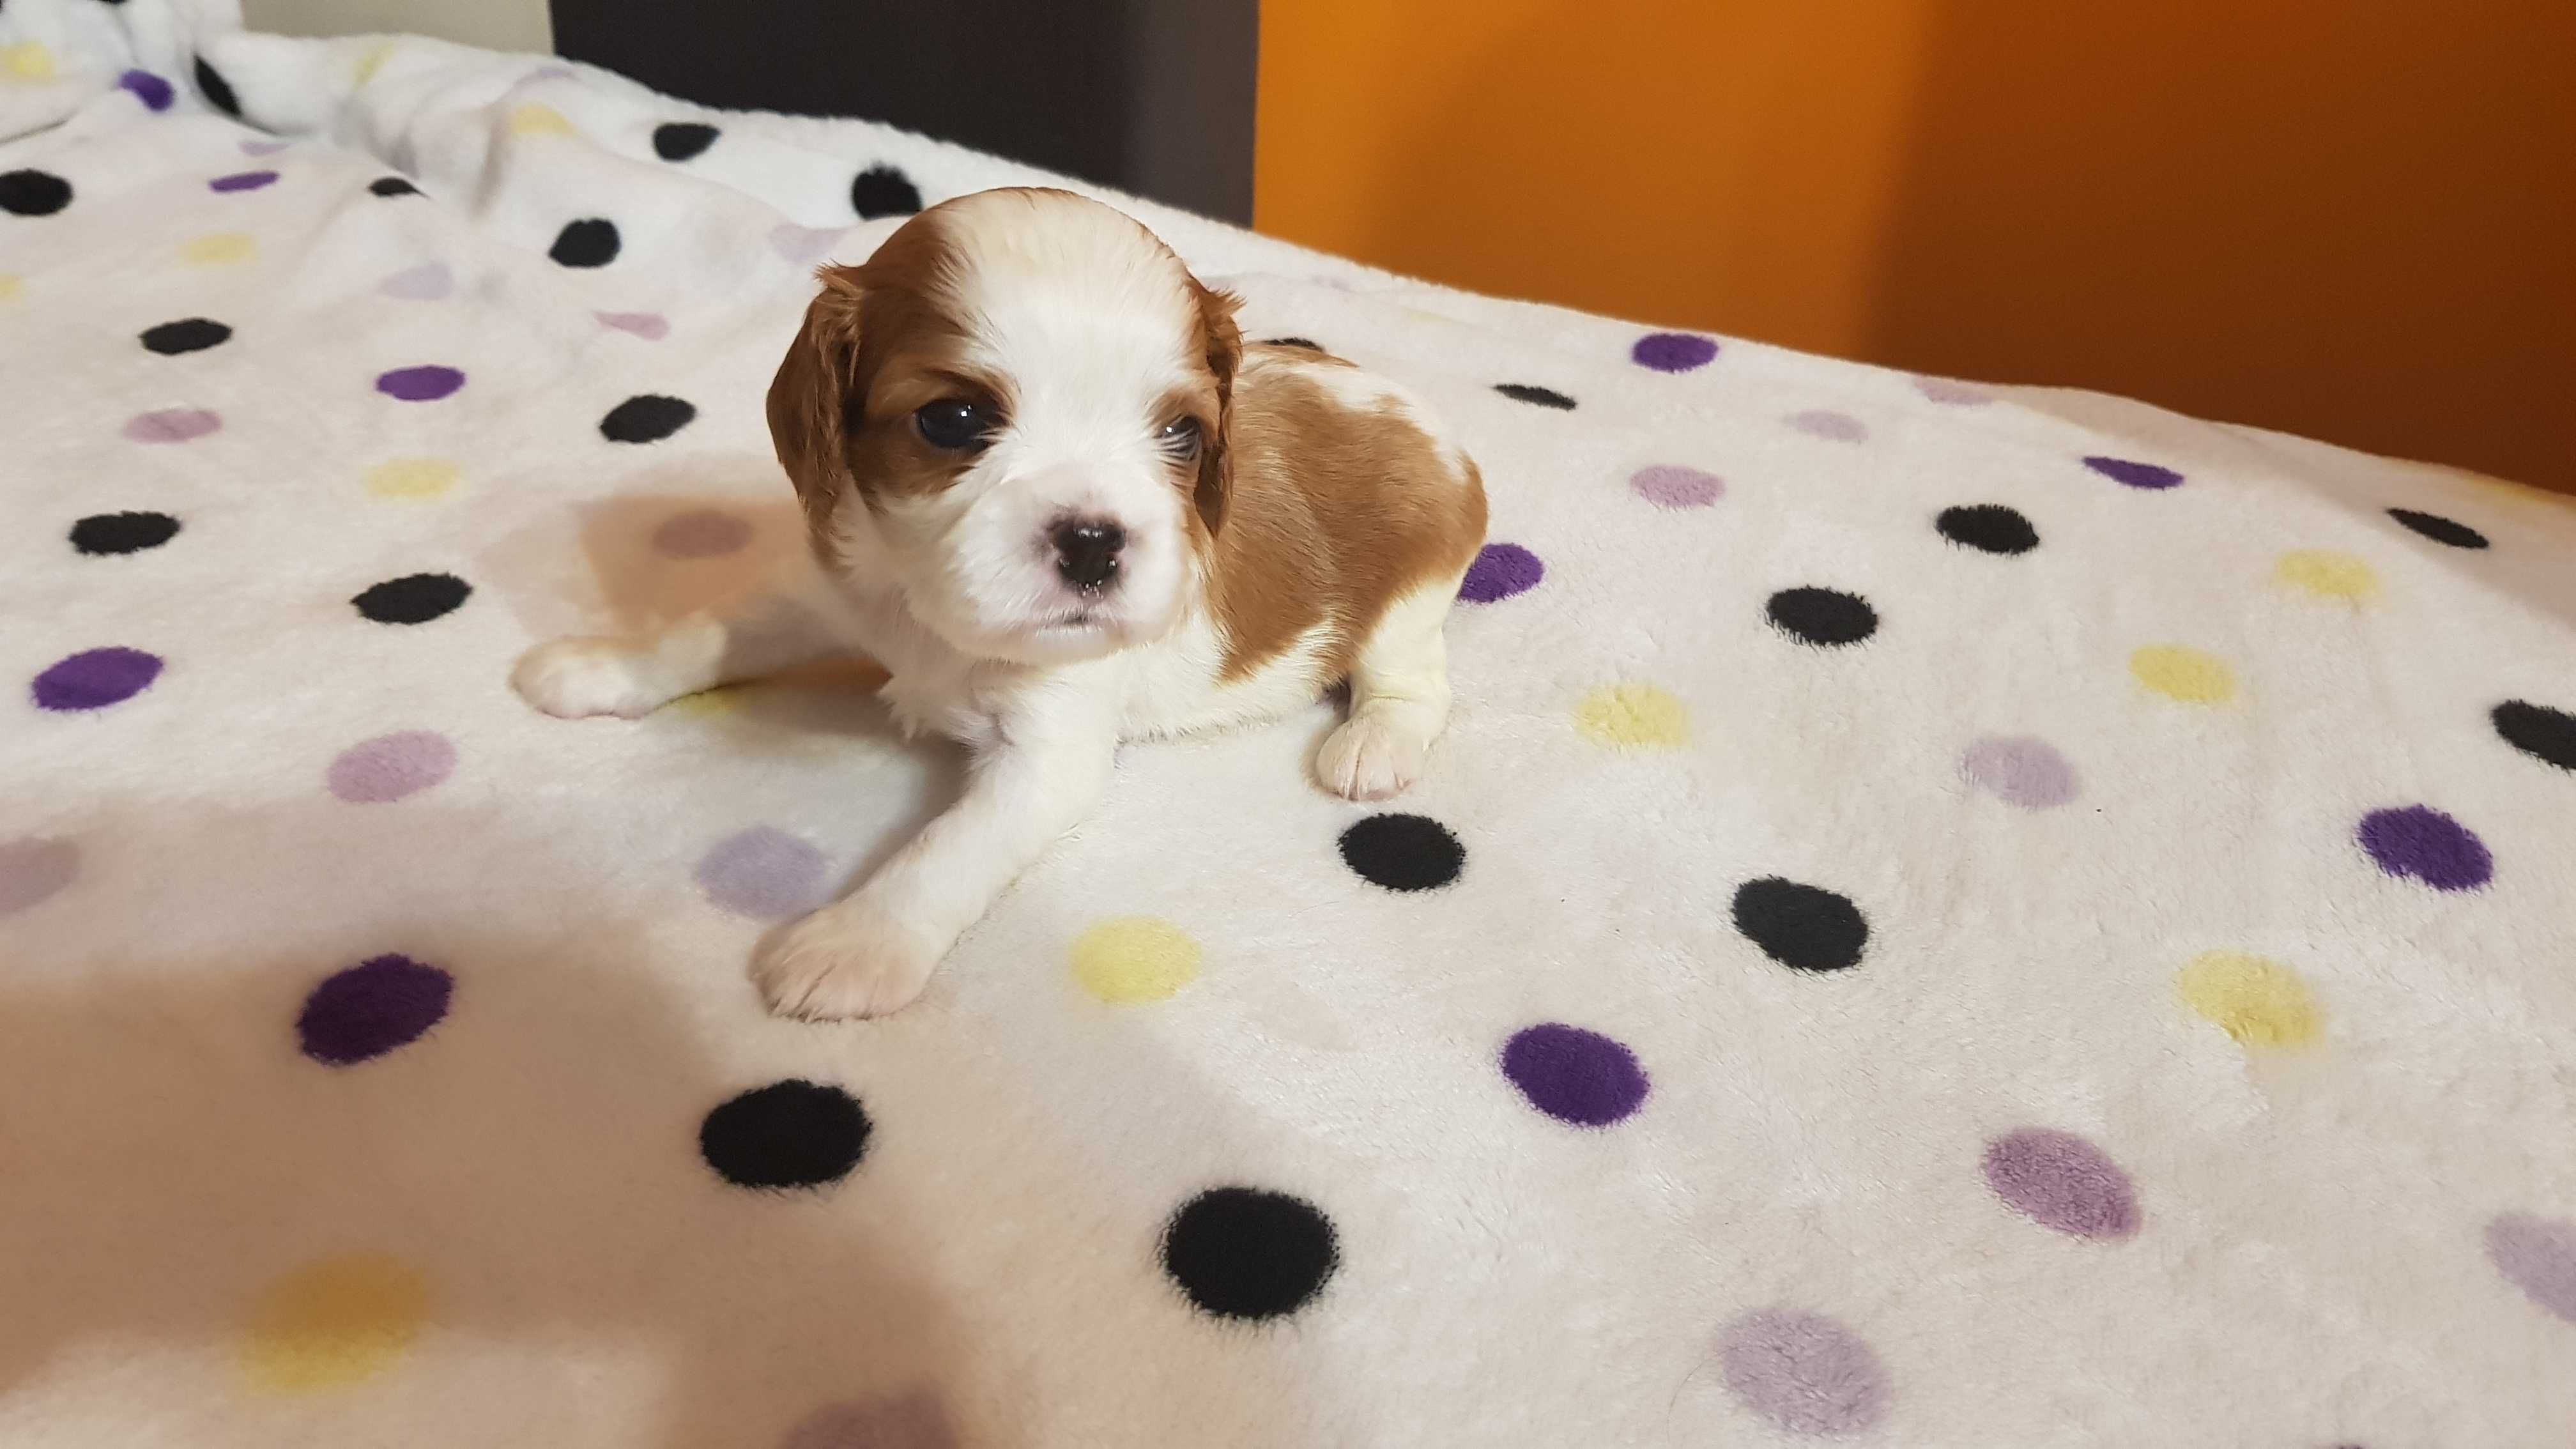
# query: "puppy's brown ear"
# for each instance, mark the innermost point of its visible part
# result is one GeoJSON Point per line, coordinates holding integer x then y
{"type": "Point", "coordinates": [1224, 344]}
{"type": "Point", "coordinates": [809, 400]}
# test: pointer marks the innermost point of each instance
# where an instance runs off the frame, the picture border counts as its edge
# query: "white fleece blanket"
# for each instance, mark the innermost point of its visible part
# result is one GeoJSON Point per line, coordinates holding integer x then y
{"type": "Point", "coordinates": [1949, 915]}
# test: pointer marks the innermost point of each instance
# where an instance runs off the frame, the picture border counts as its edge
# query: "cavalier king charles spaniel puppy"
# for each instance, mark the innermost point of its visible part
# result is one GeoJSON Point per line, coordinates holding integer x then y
{"type": "Point", "coordinates": [1063, 504]}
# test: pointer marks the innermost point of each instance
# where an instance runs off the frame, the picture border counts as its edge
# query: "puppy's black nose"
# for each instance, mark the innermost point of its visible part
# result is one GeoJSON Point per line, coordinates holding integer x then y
{"type": "Point", "coordinates": [1086, 551]}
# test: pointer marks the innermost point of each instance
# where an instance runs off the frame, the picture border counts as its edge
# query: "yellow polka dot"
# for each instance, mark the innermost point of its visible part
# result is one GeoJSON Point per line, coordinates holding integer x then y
{"type": "Point", "coordinates": [707, 703]}
{"type": "Point", "coordinates": [1134, 959]}
{"type": "Point", "coordinates": [2260, 1003]}
{"type": "Point", "coordinates": [333, 1322]}
{"type": "Point", "coordinates": [2327, 574]}
{"type": "Point", "coordinates": [11, 289]}
{"type": "Point", "coordinates": [536, 120]}
{"type": "Point", "coordinates": [2184, 674]}
{"type": "Point", "coordinates": [412, 479]}
{"type": "Point", "coordinates": [27, 62]}
{"type": "Point", "coordinates": [1638, 716]}
{"type": "Point", "coordinates": [374, 60]}
{"type": "Point", "coordinates": [218, 248]}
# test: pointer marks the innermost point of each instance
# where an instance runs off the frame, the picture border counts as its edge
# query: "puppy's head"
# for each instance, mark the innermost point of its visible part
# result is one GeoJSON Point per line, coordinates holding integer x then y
{"type": "Point", "coordinates": [1016, 413]}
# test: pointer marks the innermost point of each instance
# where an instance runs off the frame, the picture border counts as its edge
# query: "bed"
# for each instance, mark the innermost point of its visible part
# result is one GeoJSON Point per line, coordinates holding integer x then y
{"type": "Point", "coordinates": [1949, 914]}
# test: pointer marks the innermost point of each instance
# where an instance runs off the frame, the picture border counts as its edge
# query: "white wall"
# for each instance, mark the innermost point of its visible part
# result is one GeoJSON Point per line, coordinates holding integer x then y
{"type": "Point", "coordinates": [494, 24]}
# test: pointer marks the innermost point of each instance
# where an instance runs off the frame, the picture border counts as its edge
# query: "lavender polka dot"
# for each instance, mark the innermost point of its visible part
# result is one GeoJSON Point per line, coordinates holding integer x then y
{"type": "Point", "coordinates": [372, 1008]}
{"type": "Point", "coordinates": [2538, 1256]}
{"type": "Point", "coordinates": [802, 245]}
{"type": "Point", "coordinates": [2418, 842]}
{"type": "Point", "coordinates": [1500, 571]}
{"type": "Point", "coordinates": [701, 533]}
{"type": "Point", "coordinates": [243, 181]}
{"type": "Point", "coordinates": [144, 86]}
{"type": "Point", "coordinates": [1574, 1075]}
{"type": "Point", "coordinates": [1669, 485]}
{"type": "Point", "coordinates": [171, 425]}
{"type": "Point", "coordinates": [427, 282]}
{"type": "Point", "coordinates": [427, 383]}
{"type": "Point", "coordinates": [2019, 770]}
{"type": "Point", "coordinates": [389, 767]}
{"type": "Point", "coordinates": [259, 146]}
{"type": "Point", "coordinates": [1832, 426]}
{"type": "Point", "coordinates": [33, 871]}
{"type": "Point", "coordinates": [95, 679]}
{"type": "Point", "coordinates": [2060, 1181]}
{"type": "Point", "coordinates": [912, 1421]}
{"type": "Point", "coordinates": [651, 326]}
{"type": "Point", "coordinates": [2131, 474]}
{"type": "Point", "coordinates": [1952, 394]}
{"type": "Point", "coordinates": [1673, 351]}
{"type": "Point", "coordinates": [1803, 1372]}
{"type": "Point", "coordinates": [762, 873]}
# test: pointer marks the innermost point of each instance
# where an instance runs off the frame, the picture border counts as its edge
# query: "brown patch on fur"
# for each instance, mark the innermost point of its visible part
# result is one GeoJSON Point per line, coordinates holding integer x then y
{"type": "Point", "coordinates": [1335, 513]}
{"type": "Point", "coordinates": [1221, 348]}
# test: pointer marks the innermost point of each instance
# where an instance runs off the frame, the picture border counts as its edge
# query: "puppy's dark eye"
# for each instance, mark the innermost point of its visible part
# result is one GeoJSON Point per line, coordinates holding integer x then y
{"type": "Point", "coordinates": [954, 424]}
{"type": "Point", "coordinates": [1180, 438]}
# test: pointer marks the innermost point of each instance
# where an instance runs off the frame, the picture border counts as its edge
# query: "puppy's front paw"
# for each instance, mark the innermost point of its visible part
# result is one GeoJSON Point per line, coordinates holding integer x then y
{"type": "Point", "coordinates": [572, 678]}
{"type": "Point", "coordinates": [845, 960]}
{"type": "Point", "coordinates": [1371, 757]}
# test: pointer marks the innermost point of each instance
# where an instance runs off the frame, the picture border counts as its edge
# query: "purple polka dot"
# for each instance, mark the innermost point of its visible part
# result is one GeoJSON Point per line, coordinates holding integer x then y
{"type": "Point", "coordinates": [651, 326]}
{"type": "Point", "coordinates": [1803, 1372]}
{"type": "Point", "coordinates": [1953, 394]}
{"type": "Point", "coordinates": [552, 72]}
{"type": "Point", "coordinates": [2418, 842]}
{"type": "Point", "coordinates": [2132, 474]}
{"type": "Point", "coordinates": [1574, 1075]}
{"type": "Point", "coordinates": [427, 282]}
{"type": "Point", "coordinates": [1500, 571]}
{"type": "Point", "coordinates": [96, 678]}
{"type": "Point", "coordinates": [1831, 426]}
{"type": "Point", "coordinates": [1669, 485]}
{"type": "Point", "coordinates": [243, 181]}
{"type": "Point", "coordinates": [33, 871]}
{"type": "Point", "coordinates": [1673, 351]}
{"type": "Point", "coordinates": [762, 873]}
{"type": "Point", "coordinates": [913, 1421]}
{"type": "Point", "coordinates": [2019, 770]}
{"type": "Point", "coordinates": [420, 384]}
{"type": "Point", "coordinates": [254, 146]}
{"type": "Point", "coordinates": [802, 245]}
{"type": "Point", "coordinates": [701, 533]}
{"type": "Point", "coordinates": [372, 1008]}
{"type": "Point", "coordinates": [171, 425]}
{"type": "Point", "coordinates": [2538, 1256]}
{"type": "Point", "coordinates": [389, 767]}
{"type": "Point", "coordinates": [150, 89]}
{"type": "Point", "coordinates": [2058, 1180]}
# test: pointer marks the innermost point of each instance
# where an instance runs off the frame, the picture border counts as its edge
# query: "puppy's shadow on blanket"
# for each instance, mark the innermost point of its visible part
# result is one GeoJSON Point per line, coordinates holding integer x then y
{"type": "Point", "coordinates": [529, 1170]}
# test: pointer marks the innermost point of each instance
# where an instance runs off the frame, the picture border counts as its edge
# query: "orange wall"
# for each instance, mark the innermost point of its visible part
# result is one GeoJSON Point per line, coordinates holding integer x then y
{"type": "Point", "coordinates": [2354, 219]}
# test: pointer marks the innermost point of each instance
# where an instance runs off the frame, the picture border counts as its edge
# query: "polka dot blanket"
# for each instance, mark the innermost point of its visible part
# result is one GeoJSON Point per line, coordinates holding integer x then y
{"type": "Point", "coordinates": [1949, 915]}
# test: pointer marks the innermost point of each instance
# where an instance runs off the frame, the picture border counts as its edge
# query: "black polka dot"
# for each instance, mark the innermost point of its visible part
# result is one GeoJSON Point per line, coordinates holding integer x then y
{"type": "Point", "coordinates": [192, 334]}
{"type": "Point", "coordinates": [1240, 1252]}
{"type": "Point", "coordinates": [1822, 616]}
{"type": "Point", "coordinates": [1804, 927]}
{"type": "Point", "coordinates": [1988, 528]}
{"type": "Point", "coordinates": [787, 1134]}
{"type": "Point", "coordinates": [392, 186]}
{"type": "Point", "coordinates": [646, 419]}
{"type": "Point", "coordinates": [590, 242]}
{"type": "Point", "coordinates": [2439, 529]}
{"type": "Point", "coordinates": [1546, 397]}
{"type": "Point", "coordinates": [33, 193]}
{"type": "Point", "coordinates": [413, 598]}
{"type": "Point", "coordinates": [123, 532]}
{"type": "Point", "coordinates": [217, 91]}
{"type": "Point", "coordinates": [1403, 852]}
{"type": "Point", "coordinates": [2545, 734]}
{"type": "Point", "coordinates": [1310, 344]}
{"type": "Point", "coordinates": [683, 140]}
{"type": "Point", "coordinates": [884, 191]}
